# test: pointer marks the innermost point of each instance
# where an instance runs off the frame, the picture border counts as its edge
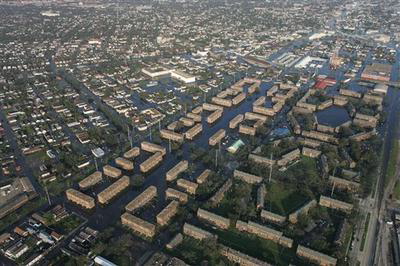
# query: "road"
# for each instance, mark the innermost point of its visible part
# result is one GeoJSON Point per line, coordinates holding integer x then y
{"type": "Point", "coordinates": [375, 204]}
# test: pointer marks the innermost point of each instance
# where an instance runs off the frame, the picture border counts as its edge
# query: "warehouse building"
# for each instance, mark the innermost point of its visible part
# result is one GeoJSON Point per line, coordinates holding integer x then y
{"type": "Point", "coordinates": [138, 225]}
{"type": "Point", "coordinates": [91, 180]}
{"type": "Point", "coordinates": [113, 190]}
{"type": "Point", "coordinates": [142, 199]}
{"type": "Point", "coordinates": [80, 198]}
{"type": "Point", "coordinates": [179, 168]}
{"type": "Point", "coordinates": [213, 218]}
{"type": "Point", "coordinates": [167, 213]}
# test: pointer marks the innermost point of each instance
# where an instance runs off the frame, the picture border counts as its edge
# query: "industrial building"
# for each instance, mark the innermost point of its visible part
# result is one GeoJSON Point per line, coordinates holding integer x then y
{"type": "Point", "coordinates": [197, 233]}
{"type": "Point", "coordinates": [80, 198]}
{"type": "Point", "coordinates": [91, 180]}
{"type": "Point", "coordinates": [377, 72]}
{"type": "Point", "coordinates": [138, 225]}
{"type": "Point", "coordinates": [171, 193]}
{"type": "Point", "coordinates": [113, 190]}
{"type": "Point", "coordinates": [167, 213]}
{"type": "Point", "coordinates": [153, 148]}
{"type": "Point", "coordinates": [315, 256]}
{"type": "Point", "coordinates": [180, 167]}
{"type": "Point", "coordinates": [111, 171]}
{"type": "Point", "coordinates": [217, 137]}
{"type": "Point", "coordinates": [188, 186]}
{"type": "Point", "coordinates": [213, 218]}
{"type": "Point", "coordinates": [142, 199]}
{"type": "Point", "coordinates": [124, 163]}
{"type": "Point", "coordinates": [151, 162]}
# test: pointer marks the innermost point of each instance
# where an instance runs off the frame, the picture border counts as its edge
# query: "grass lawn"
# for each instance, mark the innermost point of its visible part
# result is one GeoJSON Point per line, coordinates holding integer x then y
{"type": "Point", "coordinates": [282, 199]}
{"type": "Point", "coordinates": [262, 249]}
{"type": "Point", "coordinates": [391, 169]}
{"type": "Point", "coordinates": [396, 191]}
{"type": "Point", "coordinates": [13, 217]}
{"type": "Point", "coordinates": [66, 225]}
{"type": "Point", "coordinates": [364, 237]}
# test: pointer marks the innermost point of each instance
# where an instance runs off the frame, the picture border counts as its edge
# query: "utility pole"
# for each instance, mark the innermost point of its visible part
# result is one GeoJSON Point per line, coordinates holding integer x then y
{"type": "Point", "coordinates": [47, 194]}
{"type": "Point", "coordinates": [95, 162]}
{"type": "Point", "coordinates": [270, 170]}
{"type": "Point", "coordinates": [130, 137]}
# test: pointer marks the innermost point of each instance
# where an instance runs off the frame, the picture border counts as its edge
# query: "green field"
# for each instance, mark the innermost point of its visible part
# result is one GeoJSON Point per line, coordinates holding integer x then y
{"type": "Point", "coordinates": [283, 199]}
{"type": "Point", "coordinates": [392, 164]}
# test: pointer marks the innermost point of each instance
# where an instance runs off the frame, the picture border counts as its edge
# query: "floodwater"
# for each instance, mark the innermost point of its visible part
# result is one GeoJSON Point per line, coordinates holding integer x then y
{"type": "Point", "coordinates": [333, 116]}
